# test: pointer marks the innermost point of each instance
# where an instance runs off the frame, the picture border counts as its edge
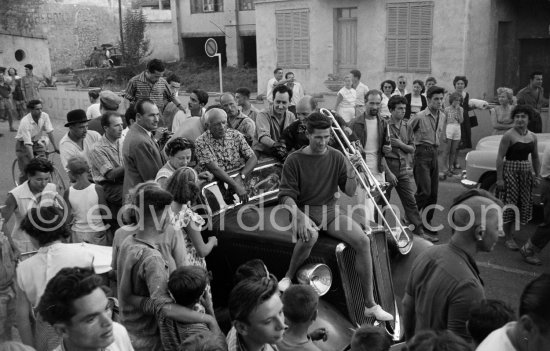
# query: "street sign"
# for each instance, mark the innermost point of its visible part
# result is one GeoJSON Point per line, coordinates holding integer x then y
{"type": "Point", "coordinates": [211, 47]}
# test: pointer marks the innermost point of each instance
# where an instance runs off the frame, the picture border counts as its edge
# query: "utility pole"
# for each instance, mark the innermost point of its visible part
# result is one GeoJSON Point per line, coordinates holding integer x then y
{"type": "Point", "coordinates": [120, 26]}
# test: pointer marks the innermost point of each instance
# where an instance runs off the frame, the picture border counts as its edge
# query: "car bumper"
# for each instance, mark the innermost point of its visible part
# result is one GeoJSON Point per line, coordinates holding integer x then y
{"type": "Point", "coordinates": [468, 184]}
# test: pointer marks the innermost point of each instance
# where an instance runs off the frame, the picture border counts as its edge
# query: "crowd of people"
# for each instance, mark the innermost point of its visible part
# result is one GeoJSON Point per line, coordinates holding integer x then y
{"type": "Point", "coordinates": [136, 177]}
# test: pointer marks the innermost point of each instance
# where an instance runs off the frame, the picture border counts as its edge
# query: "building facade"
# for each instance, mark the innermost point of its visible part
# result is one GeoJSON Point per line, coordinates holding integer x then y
{"type": "Point", "coordinates": [492, 42]}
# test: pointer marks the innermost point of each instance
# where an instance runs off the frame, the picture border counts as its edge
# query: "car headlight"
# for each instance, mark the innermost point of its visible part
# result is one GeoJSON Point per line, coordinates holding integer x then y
{"type": "Point", "coordinates": [318, 275]}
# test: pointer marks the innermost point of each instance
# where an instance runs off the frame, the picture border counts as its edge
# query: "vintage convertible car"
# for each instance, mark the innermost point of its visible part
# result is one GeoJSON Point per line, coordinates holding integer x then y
{"type": "Point", "coordinates": [260, 229]}
{"type": "Point", "coordinates": [481, 164]}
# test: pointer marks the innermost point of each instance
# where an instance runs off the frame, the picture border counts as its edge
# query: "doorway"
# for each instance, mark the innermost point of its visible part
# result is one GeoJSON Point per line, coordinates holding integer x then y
{"type": "Point", "coordinates": [534, 56]}
{"type": "Point", "coordinates": [346, 40]}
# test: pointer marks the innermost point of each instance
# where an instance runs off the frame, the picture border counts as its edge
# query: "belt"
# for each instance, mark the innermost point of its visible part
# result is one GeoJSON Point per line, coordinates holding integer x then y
{"type": "Point", "coordinates": [428, 146]}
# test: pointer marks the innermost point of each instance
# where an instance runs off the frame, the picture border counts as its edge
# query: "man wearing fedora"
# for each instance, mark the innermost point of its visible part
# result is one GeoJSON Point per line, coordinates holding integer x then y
{"type": "Point", "coordinates": [108, 101]}
{"type": "Point", "coordinates": [79, 141]}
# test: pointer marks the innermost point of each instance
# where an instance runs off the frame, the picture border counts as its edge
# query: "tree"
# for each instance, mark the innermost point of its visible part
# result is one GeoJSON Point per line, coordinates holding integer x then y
{"type": "Point", "coordinates": [135, 45]}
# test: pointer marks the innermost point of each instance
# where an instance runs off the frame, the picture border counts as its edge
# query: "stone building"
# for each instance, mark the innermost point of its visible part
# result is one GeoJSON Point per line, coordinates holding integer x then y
{"type": "Point", "coordinates": [493, 42]}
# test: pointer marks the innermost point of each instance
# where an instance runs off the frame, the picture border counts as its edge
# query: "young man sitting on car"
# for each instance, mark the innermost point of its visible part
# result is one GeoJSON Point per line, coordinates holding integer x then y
{"type": "Point", "coordinates": [310, 181]}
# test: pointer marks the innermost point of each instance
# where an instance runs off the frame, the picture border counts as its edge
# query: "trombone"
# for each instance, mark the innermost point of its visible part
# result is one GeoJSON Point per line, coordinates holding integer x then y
{"type": "Point", "coordinates": [371, 185]}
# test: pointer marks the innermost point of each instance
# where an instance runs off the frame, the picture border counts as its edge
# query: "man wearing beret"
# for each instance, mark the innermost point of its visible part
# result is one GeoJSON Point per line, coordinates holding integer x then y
{"type": "Point", "coordinates": [108, 101]}
{"type": "Point", "coordinates": [79, 141]}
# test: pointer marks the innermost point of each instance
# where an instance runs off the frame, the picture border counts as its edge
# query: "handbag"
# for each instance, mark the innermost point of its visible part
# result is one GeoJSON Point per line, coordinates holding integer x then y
{"type": "Point", "coordinates": [473, 118]}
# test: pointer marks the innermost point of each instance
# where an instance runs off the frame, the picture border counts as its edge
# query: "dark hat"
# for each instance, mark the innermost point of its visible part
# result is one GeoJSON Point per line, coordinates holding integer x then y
{"type": "Point", "coordinates": [109, 100]}
{"type": "Point", "coordinates": [76, 116]}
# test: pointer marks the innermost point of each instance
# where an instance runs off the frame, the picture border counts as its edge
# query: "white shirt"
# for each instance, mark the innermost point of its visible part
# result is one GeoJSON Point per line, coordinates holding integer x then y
{"type": "Point", "coordinates": [397, 92]}
{"type": "Point", "coordinates": [121, 343]}
{"type": "Point", "coordinates": [269, 94]}
{"type": "Point", "coordinates": [68, 148]}
{"type": "Point", "coordinates": [297, 93]}
{"type": "Point", "coordinates": [498, 340]}
{"type": "Point", "coordinates": [34, 273]}
{"type": "Point", "coordinates": [29, 131]}
{"type": "Point", "coordinates": [93, 111]}
{"type": "Point", "coordinates": [361, 90]}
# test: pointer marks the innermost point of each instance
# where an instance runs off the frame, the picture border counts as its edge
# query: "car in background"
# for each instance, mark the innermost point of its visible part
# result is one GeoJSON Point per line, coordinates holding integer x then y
{"type": "Point", "coordinates": [261, 229]}
{"type": "Point", "coordinates": [481, 164]}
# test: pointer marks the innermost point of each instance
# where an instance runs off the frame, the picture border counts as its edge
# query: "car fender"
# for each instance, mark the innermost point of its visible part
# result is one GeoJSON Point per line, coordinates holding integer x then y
{"type": "Point", "coordinates": [480, 162]}
{"type": "Point", "coordinates": [339, 328]}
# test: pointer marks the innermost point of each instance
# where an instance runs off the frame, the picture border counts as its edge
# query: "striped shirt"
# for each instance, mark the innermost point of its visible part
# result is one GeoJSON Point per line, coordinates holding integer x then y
{"type": "Point", "coordinates": [139, 88]}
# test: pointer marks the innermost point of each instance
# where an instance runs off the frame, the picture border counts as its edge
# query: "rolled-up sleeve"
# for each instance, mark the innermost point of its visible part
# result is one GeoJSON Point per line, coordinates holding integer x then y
{"type": "Point", "coordinates": [263, 129]}
{"type": "Point", "coordinates": [244, 149]}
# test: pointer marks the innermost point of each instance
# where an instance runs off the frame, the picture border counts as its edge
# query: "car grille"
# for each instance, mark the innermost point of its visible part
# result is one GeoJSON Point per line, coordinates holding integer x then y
{"type": "Point", "coordinates": [383, 287]}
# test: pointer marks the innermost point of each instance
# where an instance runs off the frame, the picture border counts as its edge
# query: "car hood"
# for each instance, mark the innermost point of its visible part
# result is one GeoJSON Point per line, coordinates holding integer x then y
{"type": "Point", "coordinates": [493, 141]}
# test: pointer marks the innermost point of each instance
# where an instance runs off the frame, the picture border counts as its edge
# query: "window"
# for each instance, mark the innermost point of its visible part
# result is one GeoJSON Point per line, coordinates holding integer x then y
{"type": "Point", "coordinates": [205, 6]}
{"type": "Point", "coordinates": [20, 55]}
{"type": "Point", "coordinates": [292, 38]}
{"type": "Point", "coordinates": [246, 5]}
{"type": "Point", "coordinates": [409, 36]}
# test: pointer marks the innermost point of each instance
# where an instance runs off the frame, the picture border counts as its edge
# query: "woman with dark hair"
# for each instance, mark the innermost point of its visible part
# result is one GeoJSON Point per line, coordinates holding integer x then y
{"type": "Point", "coordinates": [179, 152]}
{"type": "Point", "coordinates": [34, 191]}
{"type": "Point", "coordinates": [387, 88]}
{"type": "Point", "coordinates": [48, 230]}
{"type": "Point", "coordinates": [416, 102]}
{"type": "Point", "coordinates": [532, 331]}
{"type": "Point", "coordinates": [514, 171]}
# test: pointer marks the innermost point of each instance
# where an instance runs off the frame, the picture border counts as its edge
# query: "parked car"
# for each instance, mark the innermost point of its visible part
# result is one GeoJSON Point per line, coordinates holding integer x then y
{"type": "Point", "coordinates": [481, 164]}
{"type": "Point", "coordinates": [261, 229]}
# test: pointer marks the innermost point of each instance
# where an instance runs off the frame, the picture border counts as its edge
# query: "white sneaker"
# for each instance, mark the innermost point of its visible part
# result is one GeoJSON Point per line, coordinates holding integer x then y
{"type": "Point", "coordinates": [377, 312]}
{"type": "Point", "coordinates": [284, 284]}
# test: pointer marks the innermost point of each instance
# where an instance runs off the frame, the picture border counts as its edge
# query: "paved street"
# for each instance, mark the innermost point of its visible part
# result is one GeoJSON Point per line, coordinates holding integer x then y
{"type": "Point", "coordinates": [503, 272]}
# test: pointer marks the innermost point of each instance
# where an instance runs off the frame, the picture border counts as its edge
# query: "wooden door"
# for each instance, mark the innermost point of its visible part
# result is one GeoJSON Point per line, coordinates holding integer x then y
{"type": "Point", "coordinates": [346, 40]}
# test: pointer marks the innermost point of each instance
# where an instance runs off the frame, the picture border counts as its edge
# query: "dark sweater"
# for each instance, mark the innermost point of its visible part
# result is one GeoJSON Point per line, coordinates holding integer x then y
{"type": "Point", "coordinates": [313, 179]}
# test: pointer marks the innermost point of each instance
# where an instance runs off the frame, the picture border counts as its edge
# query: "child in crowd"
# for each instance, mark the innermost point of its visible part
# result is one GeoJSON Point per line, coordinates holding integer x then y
{"type": "Point", "coordinates": [86, 203]}
{"type": "Point", "coordinates": [186, 285]}
{"type": "Point", "coordinates": [487, 316]}
{"type": "Point", "coordinates": [455, 117]}
{"type": "Point", "coordinates": [204, 341]}
{"type": "Point", "coordinates": [256, 312]}
{"type": "Point", "coordinates": [183, 185]}
{"type": "Point", "coordinates": [370, 338]}
{"type": "Point", "coordinates": [300, 308]}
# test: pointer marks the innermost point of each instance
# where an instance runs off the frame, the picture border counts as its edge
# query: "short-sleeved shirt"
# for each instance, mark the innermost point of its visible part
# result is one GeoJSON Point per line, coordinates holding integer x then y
{"type": "Point", "coordinates": [230, 152]}
{"type": "Point", "coordinates": [29, 84]}
{"type": "Point", "coordinates": [104, 157]}
{"type": "Point", "coordinates": [252, 112]}
{"type": "Point", "coordinates": [453, 115]}
{"type": "Point", "coordinates": [141, 271]}
{"type": "Point", "coordinates": [270, 126]}
{"type": "Point", "coordinates": [68, 148]}
{"type": "Point", "coordinates": [426, 127]}
{"type": "Point", "coordinates": [361, 90]}
{"type": "Point", "coordinates": [403, 133]}
{"type": "Point", "coordinates": [29, 131]}
{"type": "Point", "coordinates": [444, 283]}
{"type": "Point", "coordinates": [243, 124]}
{"type": "Point", "coordinates": [139, 88]}
{"type": "Point", "coordinates": [93, 111]}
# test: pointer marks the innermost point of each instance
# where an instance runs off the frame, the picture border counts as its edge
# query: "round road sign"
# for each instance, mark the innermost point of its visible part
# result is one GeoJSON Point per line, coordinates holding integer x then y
{"type": "Point", "coordinates": [211, 47]}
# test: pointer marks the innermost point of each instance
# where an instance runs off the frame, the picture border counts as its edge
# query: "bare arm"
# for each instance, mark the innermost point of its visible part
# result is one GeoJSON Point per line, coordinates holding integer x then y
{"type": "Point", "coordinates": [222, 175]}
{"type": "Point", "coordinates": [52, 140]}
{"type": "Point", "coordinates": [535, 160]}
{"type": "Point", "coordinates": [193, 230]}
{"type": "Point", "coordinates": [339, 99]}
{"type": "Point", "coordinates": [503, 147]}
{"type": "Point", "coordinates": [23, 312]}
{"type": "Point", "coordinates": [7, 211]}
{"type": "Point", "coordinates": [249, 165]}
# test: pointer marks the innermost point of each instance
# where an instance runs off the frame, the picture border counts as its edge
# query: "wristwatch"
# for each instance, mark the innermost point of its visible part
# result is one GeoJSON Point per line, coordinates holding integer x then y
{"type": "Point", "coordinates": [243, 177]}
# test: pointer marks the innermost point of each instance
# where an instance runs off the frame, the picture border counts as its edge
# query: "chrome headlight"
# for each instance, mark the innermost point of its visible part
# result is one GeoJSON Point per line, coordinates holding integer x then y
{"type": "Point", "coordinates": [318, 275]}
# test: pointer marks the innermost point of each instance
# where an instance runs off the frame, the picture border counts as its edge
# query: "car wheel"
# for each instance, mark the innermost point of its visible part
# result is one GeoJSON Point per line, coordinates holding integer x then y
{"type": "Point", "coordinates": [489, 183]}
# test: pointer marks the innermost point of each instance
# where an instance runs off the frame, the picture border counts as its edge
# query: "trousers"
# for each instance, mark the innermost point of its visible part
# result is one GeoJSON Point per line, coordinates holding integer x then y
{"type": "Point", "coordinates": [405, 189]}
{"type": "Point", "coordinates": [426, 175]}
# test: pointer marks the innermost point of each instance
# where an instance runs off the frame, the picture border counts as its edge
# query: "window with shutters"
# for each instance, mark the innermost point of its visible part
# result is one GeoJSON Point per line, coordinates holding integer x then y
{"type": "Point", "coordinates": [292, 38]}
{"type": "Point", "coordinates": [409, 36]}
{"type": "Point", "coordinates": [205, 6]}
{"type": "Point", "coordinates": [246, 5]}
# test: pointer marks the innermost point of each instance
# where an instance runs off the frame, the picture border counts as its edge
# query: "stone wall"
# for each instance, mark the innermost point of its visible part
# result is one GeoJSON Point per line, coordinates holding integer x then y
{"type": "Point", "coordinates": [72, 27]}
{"type": "Point", "coordinates": [9, 44]}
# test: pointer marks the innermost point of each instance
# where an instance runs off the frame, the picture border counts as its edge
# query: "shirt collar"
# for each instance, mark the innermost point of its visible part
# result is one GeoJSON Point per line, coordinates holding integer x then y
{"type": "Point", "coordinates": [145, 242]}
{"type": "Point", "coordinates": [144, 130]}
{"type": "Point", "coordinates": [466, 257]}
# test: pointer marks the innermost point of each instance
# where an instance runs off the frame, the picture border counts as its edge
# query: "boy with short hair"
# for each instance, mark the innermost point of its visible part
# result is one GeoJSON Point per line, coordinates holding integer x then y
{"type": "Point", "coordinates": [370, 338]}
{"type": "Point", "coordinates": [487, 316]}
{"type": "Point", "coordinates": [300, 308]}
{"type": "Point", "coordinates": [256, 312]}
{"type": "Point", "coordinates": [186, 285]}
